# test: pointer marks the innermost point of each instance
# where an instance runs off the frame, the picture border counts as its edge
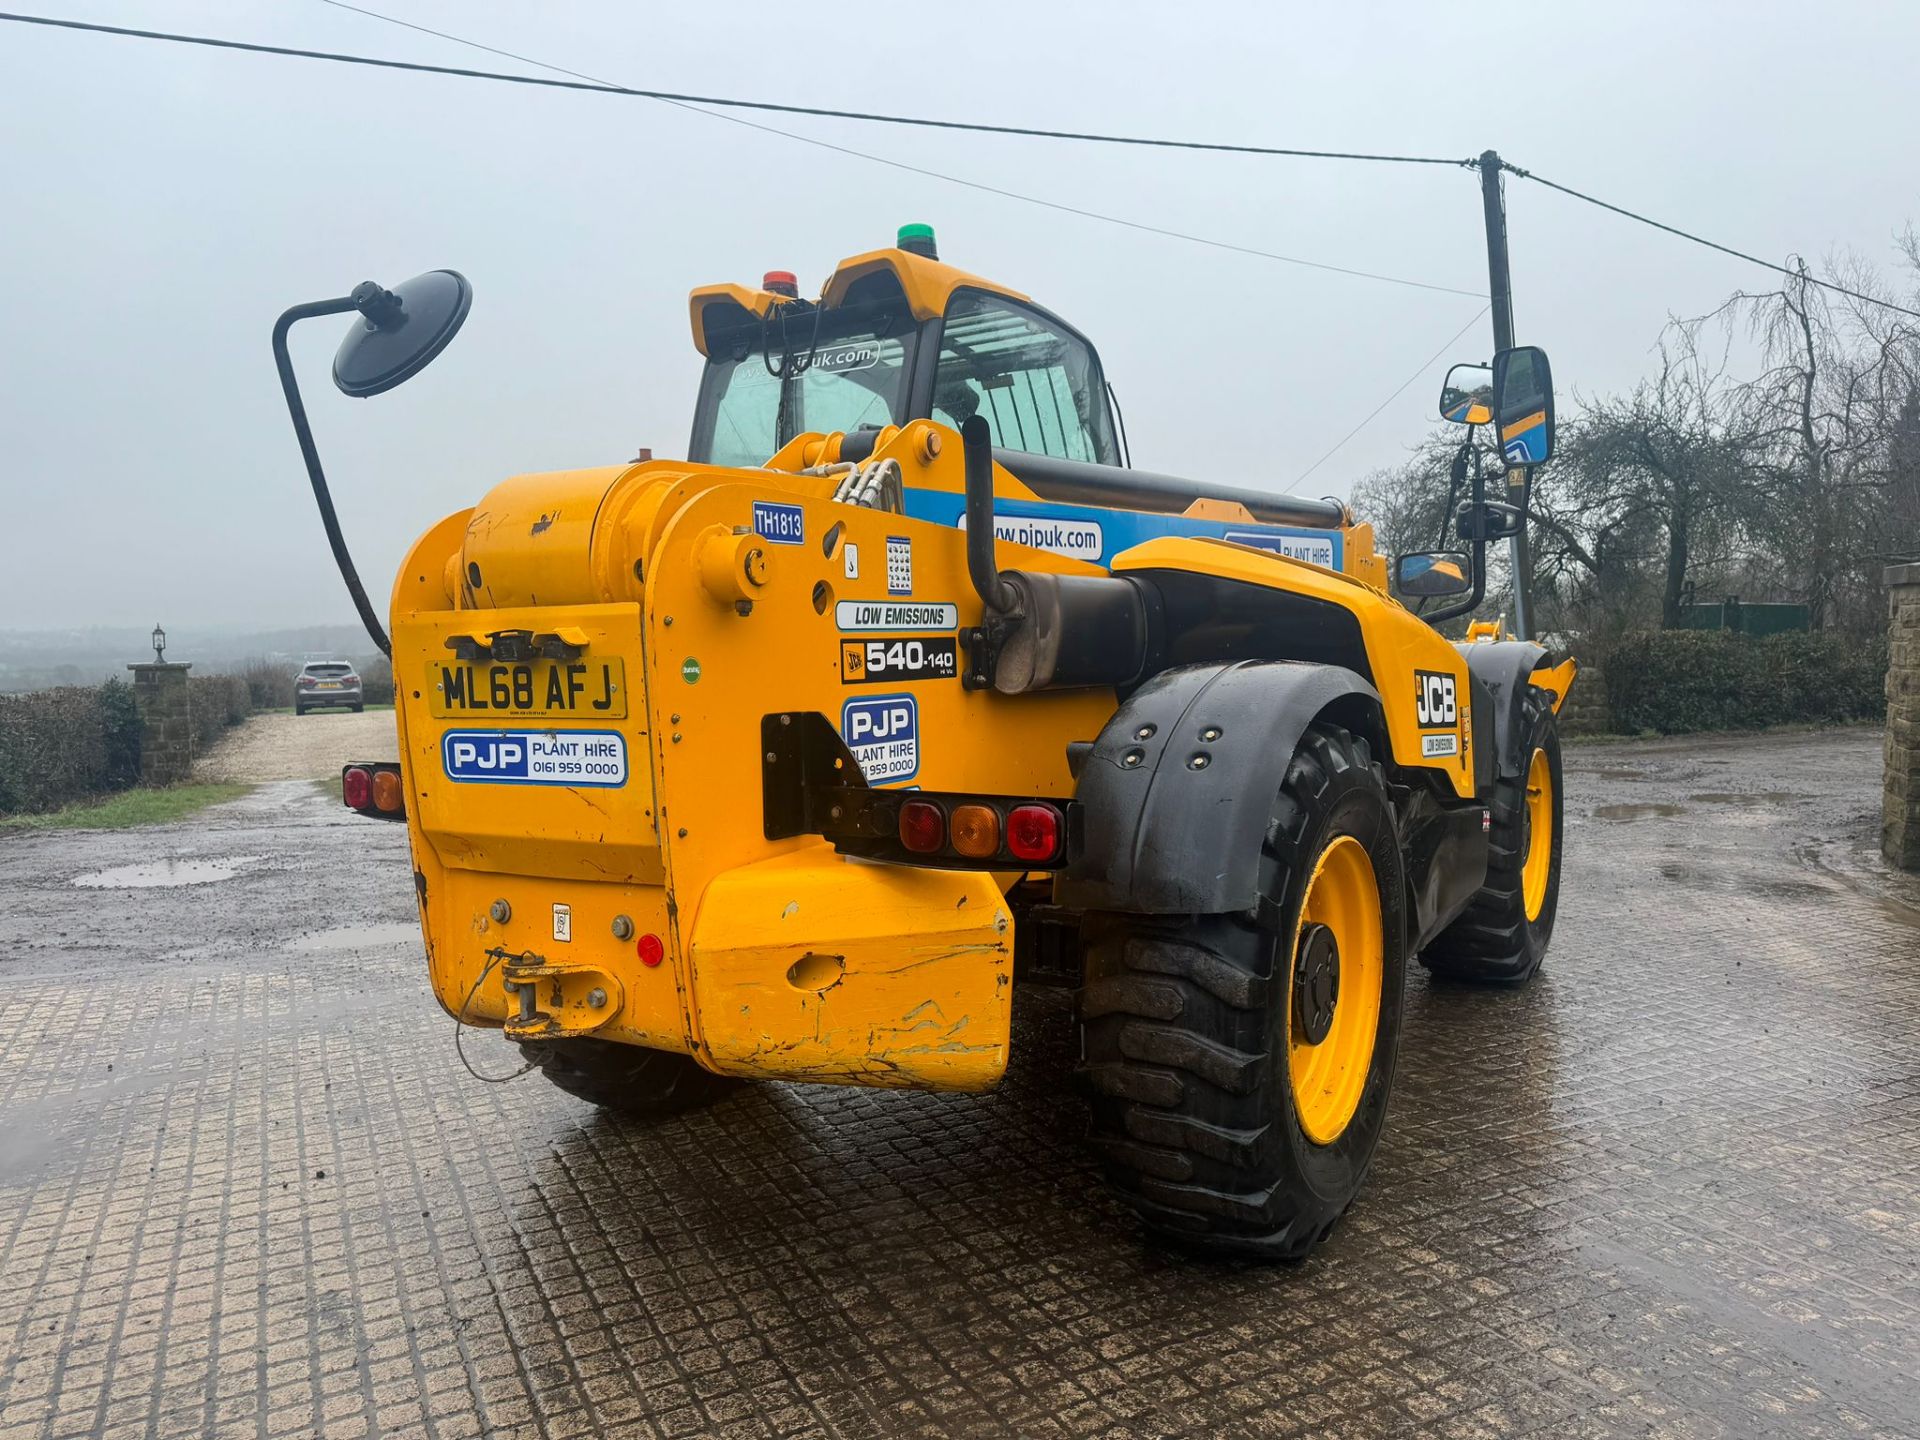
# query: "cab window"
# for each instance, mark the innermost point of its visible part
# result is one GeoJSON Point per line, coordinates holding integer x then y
{"type": "Point", "coordinates": [1036, 382]}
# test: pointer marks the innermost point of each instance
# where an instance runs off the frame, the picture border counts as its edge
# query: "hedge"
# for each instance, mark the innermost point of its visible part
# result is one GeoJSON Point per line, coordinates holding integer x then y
{"type": "Point", "coordinates": [67, 744]}
{"type": "Point", "coordinates": [1674, 681]}
{"type": "Point", "coordinates": [216, 702]}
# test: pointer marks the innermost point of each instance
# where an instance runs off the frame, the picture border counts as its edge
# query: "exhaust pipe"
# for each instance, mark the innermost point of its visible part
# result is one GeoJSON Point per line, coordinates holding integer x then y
{"type": "Point", "coordinates": [976, 444]}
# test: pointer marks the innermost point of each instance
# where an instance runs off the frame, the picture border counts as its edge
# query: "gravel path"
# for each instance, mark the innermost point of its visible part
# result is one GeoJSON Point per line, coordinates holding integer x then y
{"type": "Point", "coordinates": [305, 747]}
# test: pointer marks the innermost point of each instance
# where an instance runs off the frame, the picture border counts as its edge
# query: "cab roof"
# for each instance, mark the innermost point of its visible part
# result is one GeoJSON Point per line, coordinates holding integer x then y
{"type": "Point", "coordinates": [927, 286]}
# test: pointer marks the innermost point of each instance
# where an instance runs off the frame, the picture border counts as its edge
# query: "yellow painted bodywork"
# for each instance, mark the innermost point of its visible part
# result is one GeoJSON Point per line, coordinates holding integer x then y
{"type": "Point", "coordinates": [1556, 679]}
{"type": "Point", "coordinates": [776, 958]}
{"type": "Point", "coordinates": [928, 284]}
{"type": "Point", "coordinates": [1398, 643]}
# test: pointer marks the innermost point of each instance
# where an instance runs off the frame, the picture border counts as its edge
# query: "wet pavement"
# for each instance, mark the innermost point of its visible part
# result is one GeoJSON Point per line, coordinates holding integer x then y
{"type": "Point", "coordinates": [1672, 1188]}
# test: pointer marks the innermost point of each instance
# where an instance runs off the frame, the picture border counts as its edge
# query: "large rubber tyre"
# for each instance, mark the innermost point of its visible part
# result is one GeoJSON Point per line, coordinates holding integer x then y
{"type": "Point", "coordinates": [626, 1078]}
{"type": "Point", "coordinates": [1188, 1028]}
{"type": "Point", "coordinates": [1502, 936]}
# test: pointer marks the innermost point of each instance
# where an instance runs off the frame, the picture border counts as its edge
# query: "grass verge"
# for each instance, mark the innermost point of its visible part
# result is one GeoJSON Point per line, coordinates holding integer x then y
{"type": "Point", "coordinates": [130, 807]}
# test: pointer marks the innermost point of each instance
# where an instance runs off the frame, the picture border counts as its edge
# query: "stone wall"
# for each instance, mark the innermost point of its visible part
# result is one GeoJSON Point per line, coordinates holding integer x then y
{"type": "Point", "coordinates": [1900, 836]}
{"type": "Point", "coordinates": [166, 722]}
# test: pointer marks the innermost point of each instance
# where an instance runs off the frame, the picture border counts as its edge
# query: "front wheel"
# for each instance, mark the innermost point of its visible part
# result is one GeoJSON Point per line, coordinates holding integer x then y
{"type": "Point", "coordinates": [1502, 935]}
{"type": "Point", "coordinates": [1240, 1071]}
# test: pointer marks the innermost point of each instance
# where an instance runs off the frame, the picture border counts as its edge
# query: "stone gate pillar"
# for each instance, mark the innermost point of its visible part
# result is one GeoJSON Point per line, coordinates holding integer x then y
{"type": "Point", "coordinates": [1900, 835]}
{"type": "Point", "coordinates": [166, 721]}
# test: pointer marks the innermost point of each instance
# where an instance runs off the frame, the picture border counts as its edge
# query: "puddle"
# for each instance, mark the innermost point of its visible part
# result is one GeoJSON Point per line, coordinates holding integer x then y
{"type": "Point", "coordinates": [1636, 812]}
{"type": "Point", "coordinates": [1759, 797]}
{"type": "Point", "coordinates": [358, 937]}
{"type": "Point", "coordinates": [160, 874]}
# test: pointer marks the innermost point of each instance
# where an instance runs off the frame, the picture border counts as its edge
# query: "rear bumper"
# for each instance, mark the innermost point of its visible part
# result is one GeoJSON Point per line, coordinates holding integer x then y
{"type": "Point", "coordinates": [809, 966]}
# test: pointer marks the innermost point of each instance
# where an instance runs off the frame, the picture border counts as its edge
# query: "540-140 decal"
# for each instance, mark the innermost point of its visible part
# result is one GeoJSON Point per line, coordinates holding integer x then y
{"type": "Point", "coordinates": [887, 659]}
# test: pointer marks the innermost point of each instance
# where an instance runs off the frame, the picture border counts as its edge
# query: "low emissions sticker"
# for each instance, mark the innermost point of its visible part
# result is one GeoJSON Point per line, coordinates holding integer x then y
{"type": "Point", "coordinates": [895, 615]}
{"type": "Point", "coordinates": [535, 757]}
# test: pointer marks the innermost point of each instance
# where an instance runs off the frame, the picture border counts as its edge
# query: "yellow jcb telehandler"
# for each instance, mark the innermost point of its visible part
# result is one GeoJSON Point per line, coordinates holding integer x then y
{"type": "Point", "coordinates": [784, 762]}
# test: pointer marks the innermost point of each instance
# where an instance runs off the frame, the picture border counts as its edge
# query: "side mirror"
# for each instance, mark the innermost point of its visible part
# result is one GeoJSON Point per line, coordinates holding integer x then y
{"type": "Point", "coordinates": [1523, 405]}
{"type": "Point", "coordinates": [1428, 573]}
{"type": "Point", "coordinates": [400, 330]}
{"type": "Point", "coordinates": [1467, 396]}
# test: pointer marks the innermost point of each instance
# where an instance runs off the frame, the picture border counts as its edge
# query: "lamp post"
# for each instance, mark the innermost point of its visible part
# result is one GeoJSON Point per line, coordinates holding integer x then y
{"type": "Point", "coordinates": [159, 645]}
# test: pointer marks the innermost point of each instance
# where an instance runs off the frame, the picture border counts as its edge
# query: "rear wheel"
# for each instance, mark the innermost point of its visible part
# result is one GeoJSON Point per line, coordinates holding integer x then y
{"type": "Point", "coordinates": [1502, 935]}
{"type": "Point", "coordinates": [626, 1078]}
{"type": "Point", "coordinates": [1240, 1069]}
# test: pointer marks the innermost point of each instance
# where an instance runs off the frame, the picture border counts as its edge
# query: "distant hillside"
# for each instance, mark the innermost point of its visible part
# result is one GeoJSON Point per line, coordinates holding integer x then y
{"type": "Point", "coordinates": [35, 659]}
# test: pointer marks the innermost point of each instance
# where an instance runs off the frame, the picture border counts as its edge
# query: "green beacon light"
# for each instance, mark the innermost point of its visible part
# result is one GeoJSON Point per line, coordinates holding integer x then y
{"type": "Point", "coordinates": [918, 240]}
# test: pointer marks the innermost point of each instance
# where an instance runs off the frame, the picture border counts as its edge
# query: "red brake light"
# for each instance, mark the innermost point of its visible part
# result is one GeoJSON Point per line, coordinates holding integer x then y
{"type": "Point", "coordinates": [923, 828]}
{"type": "Point", "coordinates": [1033, 832]}
{"type": "Point", "coordinates": [306, 680]}
{"type": "Point", "coordinates": [356, 788]}
{"type": "Point", "coordinates": [350, 679]}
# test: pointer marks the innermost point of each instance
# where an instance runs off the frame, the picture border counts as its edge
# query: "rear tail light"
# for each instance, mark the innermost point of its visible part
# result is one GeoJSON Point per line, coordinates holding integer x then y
{"type": "Point", "coordinates": [306, 682]}
{"type": "Point", "coordinates": [387, 795]}
{"type": "Point", "coordinates": [1033, 833]}
{"type": "Point", "coordinates": [923, 828]}
{"type": "Point", "coordinates": [349, 679]}
{"type": "Point", "coordinates": [975, 831]}
{"type": "Point", "coordinates": [374, 787]}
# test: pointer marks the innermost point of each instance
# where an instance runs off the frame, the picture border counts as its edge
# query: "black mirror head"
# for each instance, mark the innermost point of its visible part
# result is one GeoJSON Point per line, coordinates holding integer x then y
{"type": "Point", "coordinates": [400, 331]}
{"type": "Point", "coordinates": [1466, 396]}
{"type": "Point", "coordinates": [1428, 573]}
{"type": "Point", "coordinates": [1523, 405]}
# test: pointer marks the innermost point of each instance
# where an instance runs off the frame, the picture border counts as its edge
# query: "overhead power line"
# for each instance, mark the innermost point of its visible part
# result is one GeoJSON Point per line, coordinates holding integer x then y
{"type": "Point", "coordinates": [822, 111]}
{"type": "Point", "coordinates": [697, 105]}
{"type": "Point", "coordinates": [1710, 244]}
{"type": "Point", "coordinates": [1371, 414]}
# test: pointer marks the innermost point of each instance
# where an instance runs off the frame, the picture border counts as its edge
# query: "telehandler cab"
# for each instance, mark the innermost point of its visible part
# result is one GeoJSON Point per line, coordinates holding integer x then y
{"type": "Point", "coordinates": [785, 761]}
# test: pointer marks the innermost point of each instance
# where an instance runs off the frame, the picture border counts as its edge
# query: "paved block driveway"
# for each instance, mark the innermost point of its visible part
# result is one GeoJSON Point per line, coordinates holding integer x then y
{"type": "Point", "coordinates": [1671, 1189]}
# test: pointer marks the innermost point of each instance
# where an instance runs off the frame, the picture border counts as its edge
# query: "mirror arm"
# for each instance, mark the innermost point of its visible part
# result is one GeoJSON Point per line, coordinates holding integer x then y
{"type": "Point", "coordinates": [304, 433]}
{"type": "Point", "coordinates": [1479, 592]}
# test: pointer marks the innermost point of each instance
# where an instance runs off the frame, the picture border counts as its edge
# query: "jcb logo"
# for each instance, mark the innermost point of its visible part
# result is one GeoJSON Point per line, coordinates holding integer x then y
{"type": "Point", "coordinates": [1433, 704]}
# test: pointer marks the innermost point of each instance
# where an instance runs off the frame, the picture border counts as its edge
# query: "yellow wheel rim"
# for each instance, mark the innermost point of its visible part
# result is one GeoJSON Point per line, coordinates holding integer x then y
{"type": "Point", "coordinates": [1330, 1076]}
{"type": "Point", "coordinates": [1538, 863]}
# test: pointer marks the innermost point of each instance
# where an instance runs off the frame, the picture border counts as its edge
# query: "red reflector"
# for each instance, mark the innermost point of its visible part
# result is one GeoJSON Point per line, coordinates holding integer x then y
{"type": "Point", "coordinates": [1033, 832]}
{"type": "Point", "coordinates": [356, 788]}
{"type": "Point", "coordinates": [923, 829]}
{"type": "Point", "coordinates": [650, 950]}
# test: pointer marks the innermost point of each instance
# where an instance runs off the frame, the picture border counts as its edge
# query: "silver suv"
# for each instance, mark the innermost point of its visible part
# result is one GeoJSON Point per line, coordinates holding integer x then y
{"type": "Point", "coordinates": [327, 682]}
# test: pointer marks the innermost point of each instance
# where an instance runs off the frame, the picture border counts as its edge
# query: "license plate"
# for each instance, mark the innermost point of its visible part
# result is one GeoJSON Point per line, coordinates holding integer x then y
{"type": "Point", "coordinates": [329, 685]}
{"type": "Point", "coordinates": [534, 689]}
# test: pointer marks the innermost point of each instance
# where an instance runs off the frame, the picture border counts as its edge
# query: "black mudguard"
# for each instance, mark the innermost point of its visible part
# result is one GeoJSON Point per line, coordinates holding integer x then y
{"type": "Point", "coordinates": [1170, 834]}
{"type": "Point", "coordinates": [1500, 669]}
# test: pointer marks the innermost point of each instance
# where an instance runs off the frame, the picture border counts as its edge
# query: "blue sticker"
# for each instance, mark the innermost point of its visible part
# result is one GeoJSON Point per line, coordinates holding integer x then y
{"type": "Point", "coordinates": [535, 757]}
{"type": "Point", "coordinates": [1085, 532]}
{"type": "Point", "coordinates": [782, 524]}
{"type": "Point", "coordinates": [883, 732]}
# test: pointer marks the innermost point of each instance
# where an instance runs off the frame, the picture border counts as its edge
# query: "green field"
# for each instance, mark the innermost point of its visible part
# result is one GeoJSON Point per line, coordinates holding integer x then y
{"type": "Point", "coordinates": [129, 807]}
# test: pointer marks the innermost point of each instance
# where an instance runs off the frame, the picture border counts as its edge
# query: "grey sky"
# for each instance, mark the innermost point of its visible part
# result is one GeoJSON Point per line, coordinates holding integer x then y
{"type": "Point", "coordinates": [164, 204]}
